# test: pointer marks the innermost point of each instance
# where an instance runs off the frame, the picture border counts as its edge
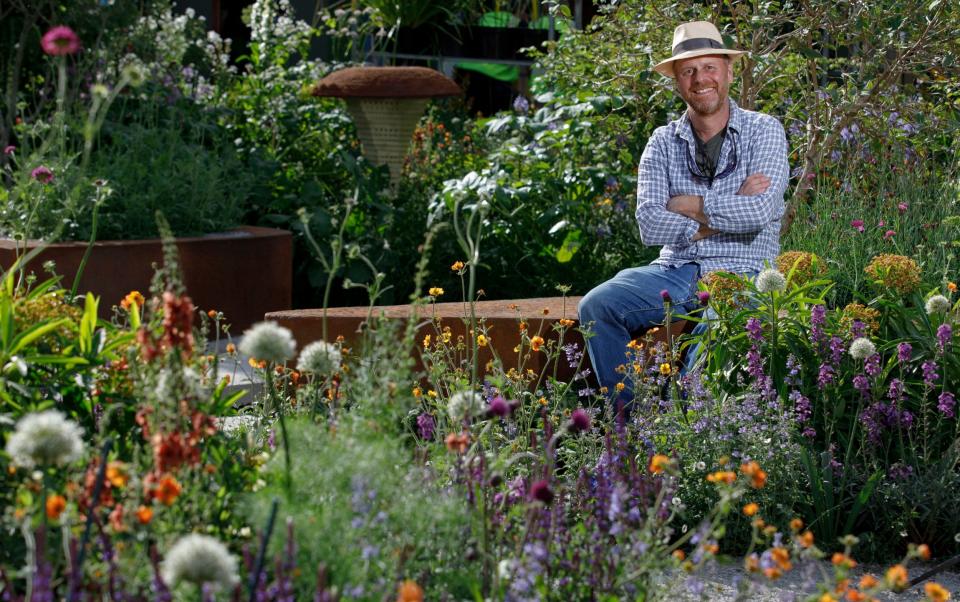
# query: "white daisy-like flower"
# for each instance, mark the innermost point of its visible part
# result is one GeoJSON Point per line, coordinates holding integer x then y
{"type": "Point", "coordinates": [200, 559]}
{"type": "Point", "coordinates": [268, 341]}
{"type": "Point", "coordinates": [937, 304]}
{"type": "Point", "coordinates": [319, 357]}
{"type": "Point", "coordinates": [45, 439]}
{"type": "Point", "coordinates": [771, 280]}
{"type": "Point", "coordinates": [862, 348]}
{"type": "Point", "coordinates": [464, 404]}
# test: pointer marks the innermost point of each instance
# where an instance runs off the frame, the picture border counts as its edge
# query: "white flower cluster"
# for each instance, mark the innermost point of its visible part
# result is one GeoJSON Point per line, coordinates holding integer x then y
{"type": "Point", "coordinates": [937, 304]}
{"type": "Point", "coordinates": [862, 348]}
{"type": "Point", "coordinates": [268, 341]}
{"type": "Point", "coordinates": [319, 357]}
{"type": "Point", "coordinates": [464, 404]}
{"type": "Point", "coordinates": [200, 559]}
{"type": "Point", "coordinates": [45, 439]}
{"type": "Point", "coordinates": [173, 387]}
{"type": "Point", "coordinates": [273, 21]}
{"type": "Point", "coordinates": [771, 280]}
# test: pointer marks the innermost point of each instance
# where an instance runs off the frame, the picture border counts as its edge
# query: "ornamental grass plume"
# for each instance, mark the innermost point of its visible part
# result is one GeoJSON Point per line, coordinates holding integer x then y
{"type": "Point", "coordinates": [805, 266]}
{"type": "Point", "coordinates": [862, 348]}
{"type": "Point", "coordinates": [268, 341]}
{"type": "Point", "coordinates": [937, 304]}
{"type": "Point", "coordinates": [319, 357]}
{"type": "Point", "coordinates": [464, 405]}
{"type": "Point", "coordinates": [857, 312]}
{"type": "Point", "coordinates": [45, 439]}
{"type": "Point", "coordinates": [200, 559]}
{"type": "Point", "coordinates": [770, 280]}
{"type": "Point", "coordinates": [897, 272]}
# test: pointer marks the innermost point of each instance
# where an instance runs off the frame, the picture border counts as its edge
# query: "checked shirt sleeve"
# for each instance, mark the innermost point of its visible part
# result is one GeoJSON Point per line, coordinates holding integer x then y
{"type": "Point", "coordinates": [767, 154]}
{"type": "Point", "coordinates": [657, 225]}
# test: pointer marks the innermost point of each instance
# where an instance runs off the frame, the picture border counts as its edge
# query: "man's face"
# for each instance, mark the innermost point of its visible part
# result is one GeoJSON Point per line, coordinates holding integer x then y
{"type": "Point", "coordinates": [703, 82]}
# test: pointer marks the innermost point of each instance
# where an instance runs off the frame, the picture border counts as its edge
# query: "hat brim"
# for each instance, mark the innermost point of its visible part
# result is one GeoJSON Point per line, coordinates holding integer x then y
{"type": "Point", "coordinates": [666, 67]}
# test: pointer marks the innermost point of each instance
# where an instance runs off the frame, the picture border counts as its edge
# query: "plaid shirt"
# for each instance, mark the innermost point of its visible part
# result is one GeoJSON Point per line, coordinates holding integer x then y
{"type": "Point", "coordinates": [748, 226]}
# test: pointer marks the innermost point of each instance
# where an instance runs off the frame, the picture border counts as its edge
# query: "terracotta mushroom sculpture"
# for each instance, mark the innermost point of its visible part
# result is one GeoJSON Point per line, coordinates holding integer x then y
{"type": "Point", "coordinates": [386, 103]}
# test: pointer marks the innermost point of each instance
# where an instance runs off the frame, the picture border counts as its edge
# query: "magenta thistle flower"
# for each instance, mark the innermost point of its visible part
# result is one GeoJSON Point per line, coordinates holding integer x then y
{"type": "Point", "coordinates": [889, 234]}
{"type": "Point", "coordinates": [665, 295]}
{"type": "Point", "coordinates": [499, 407]}
{"type": "Point", "coordinates": [579, 421]}
{"type": "Point", "coordinates": [857, 224]}
{"type": "Point", "coordinates": [902, 207]}
{"type": "Point", "coordinates": [541, 492]}
{"type": "Point", "coordinates": [704, 297]}
{"type": "Point", "coordinates": [42, 174]}
{"type": "Point", "coordinates": [60, 41]}
{"type": "Point", "coordinates": [8, 150]}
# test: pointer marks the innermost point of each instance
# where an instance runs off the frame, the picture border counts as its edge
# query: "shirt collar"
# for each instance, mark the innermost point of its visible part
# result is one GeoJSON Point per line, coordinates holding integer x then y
{"type": "Point", "coordinates": [685, 130]}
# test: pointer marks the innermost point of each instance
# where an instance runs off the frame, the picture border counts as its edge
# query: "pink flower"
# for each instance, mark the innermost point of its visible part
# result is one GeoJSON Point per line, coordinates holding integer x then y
{"type": "Point", "coordinates": [60, 41]}
{"type": "Point", "coordinates": [881, 224]}
{"type": "Point", "coordinates": [902, 207]}
{"type": "Point", "coordinates": [858, 224]}
{"type": "Point", "coordinates": [42, 174]}
{"type": "Point", "coordinates": [8, 150]}
{"type": "Point", "coordinates": [888, 234]}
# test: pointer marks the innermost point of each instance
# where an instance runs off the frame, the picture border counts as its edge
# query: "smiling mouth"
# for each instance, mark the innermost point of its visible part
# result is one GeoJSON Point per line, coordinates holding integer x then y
{"type": "Point", "coordinates": [703, 92]}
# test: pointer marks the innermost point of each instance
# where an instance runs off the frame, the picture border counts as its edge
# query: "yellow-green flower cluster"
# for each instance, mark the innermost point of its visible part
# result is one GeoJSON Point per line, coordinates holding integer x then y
{"type": "Point", "coordinates": [806, 266]}
{"type": "Point", "coordinates": [896, 272]}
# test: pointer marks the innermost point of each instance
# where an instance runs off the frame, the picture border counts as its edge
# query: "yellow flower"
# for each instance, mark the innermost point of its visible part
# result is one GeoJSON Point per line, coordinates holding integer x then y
{"type": "Point", "coordinates": [457, 266]}
{"type": "Point", "coordinates": [542, 401]}
{"type": "Point", "coordinates": [117, 474]}
{"type": "Point", "coordinates": [620, 387]}
{"type": "Point", "coordinates": [567, 323]}
{"type": "Point", "coordinates": [936, 592]}
{"type": "Point", "coordinates": [665, 369]}
{"type": "Point", "coordinates": [417, 392]}
{"type": "Point", "coordinates": [426, 342]}
{"type": "Point", "coordinates": [722, 476]}
{"type": "Point", "coordinates": [436, 291]}
{"type": "Point", "coordinates": [900, 273]}
{"type": "Point", "coordinates": [482, 340]}
{"type": "Point", "coordinates": [751, 509]}
{"type": "Point", "coordinates": [432, 393]}
{"type": "Point", "coordinates": [536, 343]}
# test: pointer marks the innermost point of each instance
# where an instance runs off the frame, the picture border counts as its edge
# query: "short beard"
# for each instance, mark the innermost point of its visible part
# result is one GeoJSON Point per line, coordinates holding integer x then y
{"type": "Point", "coordinates": [704, 108]}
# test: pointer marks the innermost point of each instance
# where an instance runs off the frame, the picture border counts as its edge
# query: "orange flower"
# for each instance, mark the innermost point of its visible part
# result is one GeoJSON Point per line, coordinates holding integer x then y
{"type": "Point", "coordinates": [751, 509]}
{"type": "Point", "coordinates": [566, 322]}
{"type": "Point", "coordinates": [772, 573]}
{"type": "Point", "coordinates": [457, 443]}
{"type": "Point", "coordinates": [752, 563]}
{"type": "Point", "coordinates": [781, 556]}
{"type": "Point", "coordinates": [133, 297]}
{"type": "Point", "coordinates": [842, 560]}
{"type": "Point", "coordinates": [936, 592]}
{"type": "Point", "coordinates": [144, 514]}
{"type": "Point", "coordinates": [231, 348]}
{"type": "Point", "coordinates": [853, 595]}
{"type": "Point", "coordinates": [923, 551]}
{"type": "Point", "coordinates": [679, 554]}
{"type": "Point", "coordinates": [117, 474]}
{"type": "Point", "coordinates": [212, 314]}
{"type": "Point", "coordinates": [758, 477]}
{"type": "Point", "coordinates": [168, 490]}
{"type": "Point", "coordinates": [796, 524]}
{"type": "Point", "coordinates": [56, 504]}
{"type": "Point", "coordinates": [722, 476]}
{"type": "Point", "coordinates": [868, 581]}
{"type": "Point", "coordinates": [896, 577]}
{"type": "Point", "coordinates": [410, 592]}
{"type": "Point", "coordinates": [457, 266]}
{"type": "Point", "coordinates": [952, 287]}
{"type": "Point", "coordinates": [417, 392]}
{"type": "Point", "coordinates": [536, 343]}
{"type": "Point", "coordinates": [806, 539]}
{"type": "Point", "coordinates": [659, 463]}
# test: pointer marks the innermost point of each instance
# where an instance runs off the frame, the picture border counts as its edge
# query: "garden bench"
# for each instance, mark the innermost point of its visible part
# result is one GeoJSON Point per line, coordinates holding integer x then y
{"type": "Point", "coordinates": [501, 319]}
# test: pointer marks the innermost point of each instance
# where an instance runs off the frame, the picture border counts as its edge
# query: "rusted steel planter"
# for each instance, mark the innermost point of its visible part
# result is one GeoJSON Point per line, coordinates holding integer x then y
{"type": "Point", "coordinates": [244, 273]}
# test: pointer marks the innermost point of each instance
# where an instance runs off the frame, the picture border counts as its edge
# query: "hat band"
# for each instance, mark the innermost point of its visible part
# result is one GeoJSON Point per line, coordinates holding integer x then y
{"type": "Point", "coordinates": [696, 44]}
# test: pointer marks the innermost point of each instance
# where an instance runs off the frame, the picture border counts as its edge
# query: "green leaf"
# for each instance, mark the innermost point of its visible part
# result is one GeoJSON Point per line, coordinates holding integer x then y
{"type": "Point", "coordinates": [569, 248]}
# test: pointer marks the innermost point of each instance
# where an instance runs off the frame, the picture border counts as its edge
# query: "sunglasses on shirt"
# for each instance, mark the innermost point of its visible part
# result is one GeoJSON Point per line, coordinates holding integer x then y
{"type": "Point", "coordinates": [726, 171]}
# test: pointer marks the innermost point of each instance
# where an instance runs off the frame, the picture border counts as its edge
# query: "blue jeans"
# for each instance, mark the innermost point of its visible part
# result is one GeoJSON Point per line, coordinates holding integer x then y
{"type": "Point", "coordinates": [626, 304]}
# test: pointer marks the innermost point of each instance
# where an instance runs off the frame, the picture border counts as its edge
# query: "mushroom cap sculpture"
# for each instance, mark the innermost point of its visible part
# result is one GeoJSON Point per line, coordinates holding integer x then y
{"type": "Point", "coordinates": [386, 103]}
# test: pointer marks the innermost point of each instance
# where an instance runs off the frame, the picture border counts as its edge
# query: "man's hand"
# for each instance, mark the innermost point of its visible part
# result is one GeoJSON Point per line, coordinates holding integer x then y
{"type": "Point", "coordinates": [703, 232]}
{"type": "Point", "coordinates": [754, 184]}
{"type": "Point", "coordinates": [688, 205]}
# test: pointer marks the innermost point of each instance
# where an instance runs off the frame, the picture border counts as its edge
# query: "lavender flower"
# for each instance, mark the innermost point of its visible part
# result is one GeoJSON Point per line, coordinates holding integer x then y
{"type": "Point", "coordinates": [861, 383]}
{"type": "Point", "coordinates": [825, 375]}
{"type": "Point", "coordinates": [903, 352]}
{"type": "Point", "coordinates": [944, 336]}
{"type": "Point", "coordinates": [426, 425]}
{"type": "Point", "coordinates": [945, 403]}
{"type": "Point", "coordinates": [895, 392]}
{"type": "Point", "coordinates": [929, 368]}
{"type": "Point", "coordinates": [755, 329]}
{"type": "Point", "coordinates": [818, 317]}
{"type": "Point", "coordinates": [872, 365]}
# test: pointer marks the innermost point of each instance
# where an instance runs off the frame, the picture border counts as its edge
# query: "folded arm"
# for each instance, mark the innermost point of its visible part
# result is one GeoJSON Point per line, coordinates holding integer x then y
{"type": "Point", "coordinates": [658, 224]}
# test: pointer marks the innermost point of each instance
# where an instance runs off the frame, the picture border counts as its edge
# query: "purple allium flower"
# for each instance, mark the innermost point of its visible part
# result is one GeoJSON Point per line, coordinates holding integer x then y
{"type": "Point", "coordinates": [579, 421]}
{"type": "Point", "coordinates": [60, 41]}
{"type": "Point", "coordinates": [541, 492]}
{"type": "Point", "coordinates": [426, 425]}
{"type": "Point", "coordinates": [665, 295]}
{"type": "Point", "coordinates": [944, 336]}
{"type": "Point", "coordinates": [8, 150]}
{"type": "Point", "coordinates": [895, 392]}
{"type": "Point", "coordinates": [499, 407]}
{"type": "Point", "coordinates": [521, 105]}
{"type": "Point", "coordinates": [755, 329]}
{"type": "Point", "coordinates": [929, 372]}
{"type": "Point", "coordinates": [945, 403]}
{"type": "Point", "coordinates": [704, 297]}
{"type": "Point", "coordinates": [42, 174]}
{"type": "Point", "coordinates": [903, 352]}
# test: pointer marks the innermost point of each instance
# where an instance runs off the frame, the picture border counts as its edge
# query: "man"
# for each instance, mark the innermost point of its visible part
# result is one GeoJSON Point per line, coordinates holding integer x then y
{"type": "Point", "coordinates": [709, 190]}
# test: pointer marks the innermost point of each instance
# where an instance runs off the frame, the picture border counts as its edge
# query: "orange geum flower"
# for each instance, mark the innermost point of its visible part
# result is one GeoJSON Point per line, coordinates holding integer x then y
{"type": "Point", "coordinates": [117, 474]}
{"type": "Point", "coordinates": [758, 477]}
{"type": "Point", "coordinates": [620, 387]}
{"type": "Point", "coordinates": [566, 322]}
{"type": "Point", "coordinates": [133, 297]}
{"type": "Point", "coordinates": [231, 348]}
{"type": "Point", "coordinates": [796, 524]}
{"type": "Point", "coordinates": [842, 560]}
{"type": "Point", "coordinates": [781, 556]}
{"type": "Point", "coordinates": [936, 592]}
{"type": "Point", "coordinates": [457, 443]}
{"type": "Point", "coordinates": [853, 595]}
{"type": "Point", "coordinates": [896, 577]}
{"type": "Point", "coordinates": [923, 551]}
{"type": "Point", "coordinates": [435, 291]}
{"type": "Point", "coordinates": [457, 266]}
{"type": "Point", "coordinates": [417, 392]}
{"type": "Point", "coordinates": [56, 504]}
{"type": "Point", "coordinates": [536, 343]}
{"type": "Point", "coordinates": [773, 573]}
{"type": "Point", "coordinates": [679, 554]}
{"type": "Point", "coordinates": [659, 463]}
{"type": "Point", "coordinates": [144, 514]}
{"type": "Point", "coordinates": [409, 591]}
{"type": "Point", "coordinates": [868, 581]}
{"type": "Point", "coordinates": [751, 509]}
{"type": "Point", "coordinates": [168, 490]}
{"type": "Point", "coordinates": [722, 476]}
{"type": "Point", "coordinates": [752, 563]}
{"type": "Point", "coordinates": [805, 539]}
{"type": "Point", "coordinates": [952, 287]}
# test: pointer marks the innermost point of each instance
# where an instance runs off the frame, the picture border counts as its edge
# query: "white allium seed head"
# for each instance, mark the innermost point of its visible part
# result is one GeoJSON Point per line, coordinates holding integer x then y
{"type": "Point", "coordinates": [937, 304]}
{"type": "Point", "coordinates": [464, 405]}
{"type": "Point", "coordinates": [45, 439]}
{"type": "Point", "coordinates": [770, 280]}
{"type": "Point", "coordinates": [200, 559]}
{"type": "Point", "coordinates": [190, 385]}
{"type": "Point", "coordinates": [862, 348]}
{"type": "Point", "coordinates": [269, 342]}
{"type": "Point", "coordinates": [319, 357]}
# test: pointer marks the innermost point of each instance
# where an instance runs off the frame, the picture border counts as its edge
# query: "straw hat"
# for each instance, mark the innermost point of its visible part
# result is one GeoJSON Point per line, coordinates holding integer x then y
{"type": "Point", "coordinates": [697, 38]}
